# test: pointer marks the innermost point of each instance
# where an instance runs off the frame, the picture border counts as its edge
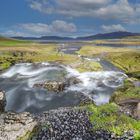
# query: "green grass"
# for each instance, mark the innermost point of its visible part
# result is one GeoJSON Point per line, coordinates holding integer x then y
{"type": "Point", "coordinates": [127, 91]}
{"type": "Point", "coordinates": [37, 53]}
{"type": "Point", "coordinates": [11, 41]}
{"type": "Point", "coordinates": [107, 117]}
{"type": "Point", "coordinates": [126, 59]}
{"type": "Point", "coordinates": [125, 41]}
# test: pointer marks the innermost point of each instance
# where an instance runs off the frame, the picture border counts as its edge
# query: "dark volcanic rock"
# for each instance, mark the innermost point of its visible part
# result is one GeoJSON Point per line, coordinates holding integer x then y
{"type": "Point", "coordinates": [65, 124]}
{"type": "Point", "coordinates": [72, 124]}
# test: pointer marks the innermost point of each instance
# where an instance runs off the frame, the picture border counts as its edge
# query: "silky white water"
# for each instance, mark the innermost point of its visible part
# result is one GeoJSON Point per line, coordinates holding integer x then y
{"type": "Point", "coordinates": [21, 95]}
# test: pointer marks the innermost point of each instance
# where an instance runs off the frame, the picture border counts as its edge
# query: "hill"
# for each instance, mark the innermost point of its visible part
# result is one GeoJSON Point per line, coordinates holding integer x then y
{"type": "Point", "coordinates": [112, 35]}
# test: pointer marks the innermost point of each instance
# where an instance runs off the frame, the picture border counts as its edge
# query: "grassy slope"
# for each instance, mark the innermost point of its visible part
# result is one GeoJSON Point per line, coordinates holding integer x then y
{"type": "Point", "coordinates": [11, 41]}
{"type": "Point", "coordinates": [125, 58]}
{"type": "Point", "coordinates": [125, 41]}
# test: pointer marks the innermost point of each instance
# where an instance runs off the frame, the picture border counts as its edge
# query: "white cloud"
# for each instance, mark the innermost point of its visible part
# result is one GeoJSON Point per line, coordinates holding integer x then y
{"type": "Point", "coordinates": [57, 26]}
{"type": "Point", "coordinates": [38, 29]}
{"type": "Point", "coordinates": [14, 33]}
{"type": "Point", "coordinates": [120, 10]}
{"type": "Point", "coordinates": [113, 28]}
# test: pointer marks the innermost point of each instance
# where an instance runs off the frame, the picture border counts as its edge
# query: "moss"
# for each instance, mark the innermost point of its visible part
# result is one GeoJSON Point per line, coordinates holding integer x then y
{"type": "Point", "coordinates": [89, 66]}
{"type": "Point", "coordinates": [108, 117]}
{"type": "Point", "coordinates": [137, 136]}
{"type": "Point", "coordinates": [126, 91]}
{"type": "Point", "coordinates": [29, 135]}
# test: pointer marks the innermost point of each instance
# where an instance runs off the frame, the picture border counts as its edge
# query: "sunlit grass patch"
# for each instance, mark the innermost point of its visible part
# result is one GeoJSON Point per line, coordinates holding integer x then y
{"type": "Point", "coordinates": [127, 91]}
{"type": "Point", "coordinates": [109, 118]}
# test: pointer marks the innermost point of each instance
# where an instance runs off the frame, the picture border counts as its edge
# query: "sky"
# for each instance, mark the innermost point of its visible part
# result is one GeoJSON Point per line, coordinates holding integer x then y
{"type": "Point", "coordinates": [68, 17]}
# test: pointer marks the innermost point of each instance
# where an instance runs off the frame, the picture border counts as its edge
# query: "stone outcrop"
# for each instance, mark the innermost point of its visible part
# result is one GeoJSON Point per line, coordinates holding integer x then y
{"type": "Point", "coordinates": [2, 101]}
{"type": "Point", "coordinates": [58, 86]}
{"type": "Point", "coordinates": [138, 111]}
{"type": "Point", "coordinates": [14, 126]}
{"type": "Point", "coordinates": [73, 81]}
{"type": "Point", "coordinates": [52, 86]}
{"type": "Point", "coordinates": [131, 107]}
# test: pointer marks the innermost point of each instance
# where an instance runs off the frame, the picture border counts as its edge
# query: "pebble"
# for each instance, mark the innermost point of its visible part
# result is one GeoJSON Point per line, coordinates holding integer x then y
{"type": "Point", "coordinates": [72, 124]}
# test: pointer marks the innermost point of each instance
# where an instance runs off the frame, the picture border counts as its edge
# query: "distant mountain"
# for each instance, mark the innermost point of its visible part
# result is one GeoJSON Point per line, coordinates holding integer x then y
{"type": "Point", "coordinates": [113, 35]}
{"type": "Point", "coordinates": [44, 38]}
{"type": "Point", "coordinates": [6, 39]}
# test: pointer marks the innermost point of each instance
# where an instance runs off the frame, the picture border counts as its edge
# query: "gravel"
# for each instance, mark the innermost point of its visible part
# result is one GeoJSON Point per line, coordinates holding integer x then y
{"type": "Point", "coordinates": [72, 124]}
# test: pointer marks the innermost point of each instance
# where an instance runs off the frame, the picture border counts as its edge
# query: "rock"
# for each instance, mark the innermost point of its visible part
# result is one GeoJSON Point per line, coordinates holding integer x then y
{"type": "Point", "coordinates": [2, 101]}
{"type": "Point", "coordinates": [14, 126]}
{"type": "Point", "coordinates": [73, 81]}
{"type": "Point", "coordinates": [138, 111]}
{"type": "Point", "coordinates": [129, 107]}
{"type": "Point", "coordinates": [60, 85]}
{"type": "Point", "coordinates": [65, 124]}
{"type": "Point", "coordinates": [52, 85]}
{"type": "Point", "coordinates": [73, 124]}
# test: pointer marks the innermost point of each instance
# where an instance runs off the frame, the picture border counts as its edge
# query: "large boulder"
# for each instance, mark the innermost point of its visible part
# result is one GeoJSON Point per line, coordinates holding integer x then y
{"type": "Point", "coordinates": [73, 81]}
{"type": "Point", "coordinates": [58, 86]}
{"type": "Point", "coordinates": [14, 126]}
{"type": "Point", "coordinates": [2, 101]}
{"type": "Point", "coordinates": [137, 112]}
{"type": "Point", "coordinates": [52, 86]}
{"type": "Point", "coordinates": [130, 107]}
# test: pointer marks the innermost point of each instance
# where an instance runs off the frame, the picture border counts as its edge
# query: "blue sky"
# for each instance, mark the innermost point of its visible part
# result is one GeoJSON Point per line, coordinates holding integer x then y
{"type": "Point", "coordinates": [68, 17]}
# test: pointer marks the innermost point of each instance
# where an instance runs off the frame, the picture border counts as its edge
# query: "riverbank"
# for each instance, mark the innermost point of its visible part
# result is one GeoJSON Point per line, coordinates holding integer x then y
{"type": "Point", "coordinates": [114, 120]}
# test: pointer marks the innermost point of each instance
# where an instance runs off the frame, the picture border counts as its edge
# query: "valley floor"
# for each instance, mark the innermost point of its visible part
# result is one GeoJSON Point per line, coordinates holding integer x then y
{"type": "Point", "coordinates": [118, 119]}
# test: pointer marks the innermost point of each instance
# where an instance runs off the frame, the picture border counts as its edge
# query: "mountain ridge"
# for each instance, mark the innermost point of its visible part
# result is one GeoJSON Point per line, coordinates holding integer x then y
{"type": "Point", "coordinates": [112, 35]}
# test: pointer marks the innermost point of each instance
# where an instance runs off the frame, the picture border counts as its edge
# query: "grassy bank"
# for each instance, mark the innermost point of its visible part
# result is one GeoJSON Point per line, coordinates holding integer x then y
{"type": "Point", "coordinates": [126, 59]}
{"type": "Point", "coordinates": [33, 52]}
{"type": "Point", "coordinates": [108, 117]}
{"type": "Point", "coordinates": [11, 41]}
{"type": "Point", "coordinates": [125, 41]}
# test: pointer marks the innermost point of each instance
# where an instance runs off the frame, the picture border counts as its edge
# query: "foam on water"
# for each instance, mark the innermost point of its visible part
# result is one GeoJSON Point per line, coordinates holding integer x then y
{"type": "Point", "coordinates": [19, 80]}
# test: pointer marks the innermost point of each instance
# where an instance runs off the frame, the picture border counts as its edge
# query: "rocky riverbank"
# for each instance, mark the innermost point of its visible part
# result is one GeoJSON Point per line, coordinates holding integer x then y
{"type": "Point", "coordinates": [61, 124]}
{"type": "Point", "coordinates": [72, 124]}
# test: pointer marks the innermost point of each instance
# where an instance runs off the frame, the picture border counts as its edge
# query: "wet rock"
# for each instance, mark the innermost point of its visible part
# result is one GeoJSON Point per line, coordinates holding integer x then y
{"type": "Point", "coordinates": [138, 111]}
{"type": "Point", "coordinates": [56, 86]}
{"type": "Point", "coordinates": [65, 124]}
{"type": "Point", "coordinates": [73, 81]}
{"type": "Point", "coordinates": [85, 100]}
{"type": "Point", "coordinates": [14, 126]}
{"type": "Point", "coordinates": [130, 107]}
{"type": "Point", "coordinates": [2, 101]}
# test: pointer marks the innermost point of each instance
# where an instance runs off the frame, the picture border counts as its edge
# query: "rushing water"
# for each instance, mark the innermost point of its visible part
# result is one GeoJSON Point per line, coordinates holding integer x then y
{"type": "Point", "coordinates": [18, 83]}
